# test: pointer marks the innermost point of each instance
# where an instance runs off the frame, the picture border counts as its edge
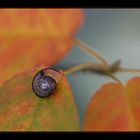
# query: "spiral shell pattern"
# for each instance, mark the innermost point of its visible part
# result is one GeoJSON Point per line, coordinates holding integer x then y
{"type": "Point", "coordinates": [43, 85]}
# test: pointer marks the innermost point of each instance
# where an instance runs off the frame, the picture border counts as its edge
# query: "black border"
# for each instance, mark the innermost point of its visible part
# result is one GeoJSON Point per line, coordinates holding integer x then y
{"type": "Point", "coordinates": [71, 135]}
{"type": "Point", "coordinates": [69, 4]}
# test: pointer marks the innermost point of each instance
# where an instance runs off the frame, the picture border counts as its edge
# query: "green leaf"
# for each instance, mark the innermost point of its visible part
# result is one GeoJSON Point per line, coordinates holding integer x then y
{"type": "Point", "coordinates": [22, 110]}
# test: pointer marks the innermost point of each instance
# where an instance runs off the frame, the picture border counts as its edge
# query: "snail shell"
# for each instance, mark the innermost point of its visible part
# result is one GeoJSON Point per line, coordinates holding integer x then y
{"type": "Point", "coordinates": [45, 82]}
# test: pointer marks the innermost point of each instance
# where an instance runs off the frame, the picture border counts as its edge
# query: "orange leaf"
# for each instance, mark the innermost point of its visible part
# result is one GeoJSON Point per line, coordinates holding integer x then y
{"type": "Point", "coordinates": [22, 110]}
{"type": "Point", "coordinates": [32, 37]}
{"type": "Point", "coordinates": [115, 108]}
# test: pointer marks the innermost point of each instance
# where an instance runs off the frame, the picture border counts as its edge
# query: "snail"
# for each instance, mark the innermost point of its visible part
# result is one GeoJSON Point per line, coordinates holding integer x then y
{"type": "Point", "coordinates": [45, 82]}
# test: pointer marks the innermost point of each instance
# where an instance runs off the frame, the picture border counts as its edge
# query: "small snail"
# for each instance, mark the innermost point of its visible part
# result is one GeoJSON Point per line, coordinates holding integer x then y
{"type": "Point", "coordinates": [45, 82]}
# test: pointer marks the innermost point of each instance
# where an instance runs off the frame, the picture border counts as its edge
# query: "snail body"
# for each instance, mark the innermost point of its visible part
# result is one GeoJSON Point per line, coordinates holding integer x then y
{"type": "Point", "coordinates": [45, 83]}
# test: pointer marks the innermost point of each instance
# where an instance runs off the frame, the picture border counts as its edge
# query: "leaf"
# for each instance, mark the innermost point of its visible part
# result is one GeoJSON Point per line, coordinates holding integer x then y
{"type": "Point", "coordinates": [114, 108]}
{"type": "Point", "coordinates": [22, 110]}
{"type": "Point", "coordinates": [32, 37]}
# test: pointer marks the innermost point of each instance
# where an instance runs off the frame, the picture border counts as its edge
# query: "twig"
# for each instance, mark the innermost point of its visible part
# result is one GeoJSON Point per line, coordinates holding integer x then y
{"type": "Point", "coordinates": [127, 70]}
{"type": "Point", "coordinates": [80, 67]}
{"type": "Point", "coordinates": [94, 67]}
{"type": "Point", "coordinates": [92, 52]}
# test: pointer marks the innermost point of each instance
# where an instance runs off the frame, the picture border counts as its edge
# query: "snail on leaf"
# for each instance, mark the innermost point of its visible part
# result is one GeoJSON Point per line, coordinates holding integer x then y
{"type": "Point", "coordinates": [45, 82]}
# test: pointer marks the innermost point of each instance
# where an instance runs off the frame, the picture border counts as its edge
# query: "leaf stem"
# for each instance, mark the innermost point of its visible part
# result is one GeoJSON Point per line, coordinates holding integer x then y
{"type": "Point", "coordinates": [79, 67]}
{"type": "Point", "coordinates": [115, 78]}
{"type": "Point", "coordinates": [127, 70]}
{"type": "Point", "coordinates": [92, 52]}
{"type": "Point", "coordinates": [101, 68]}
{"type": "Point", "coordinates": [94, 67]}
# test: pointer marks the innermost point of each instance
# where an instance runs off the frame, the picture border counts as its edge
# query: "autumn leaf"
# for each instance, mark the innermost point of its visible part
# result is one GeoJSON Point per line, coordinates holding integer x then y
{"type": "Point", "coordinates": [114, 108]}
{"type": "Point", "coordinates": [22, 110]}
{"type": "Point", "coordinates": [35, 37]}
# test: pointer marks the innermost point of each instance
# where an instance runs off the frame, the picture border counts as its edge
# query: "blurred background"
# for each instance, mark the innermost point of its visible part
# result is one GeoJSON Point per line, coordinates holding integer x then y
{"type": "Point", "coordinates": [114, 33]}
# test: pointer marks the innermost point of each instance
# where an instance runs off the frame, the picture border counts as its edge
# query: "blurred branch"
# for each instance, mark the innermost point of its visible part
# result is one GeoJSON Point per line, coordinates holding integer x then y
{"type": "Point", "coordinates": [87, 66]}
{"type": "Point", "coordinates": [95, 68]}
{"type": "Point", "coordinates": [102, 68]}
{"type": "Point", "coordinates": [91, 52]}
{"type": "Point", "coordinates": [127, 70]}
